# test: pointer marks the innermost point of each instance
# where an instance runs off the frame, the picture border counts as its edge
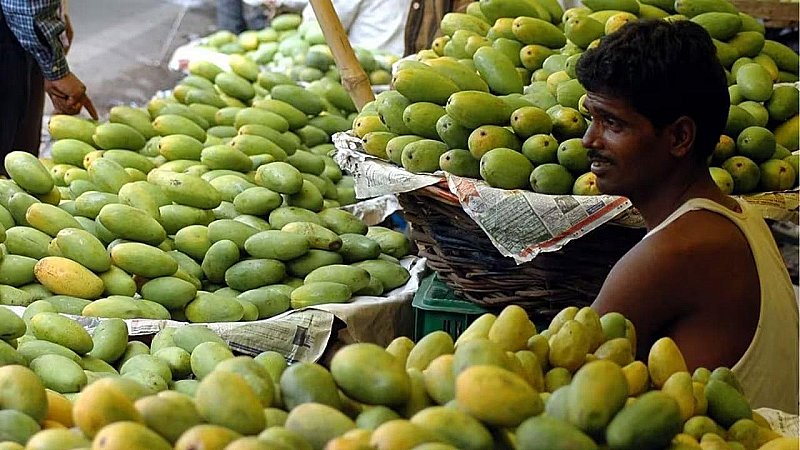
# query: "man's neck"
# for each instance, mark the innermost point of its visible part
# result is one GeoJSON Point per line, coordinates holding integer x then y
{"type": "Point", "coordinates": [665, 198]}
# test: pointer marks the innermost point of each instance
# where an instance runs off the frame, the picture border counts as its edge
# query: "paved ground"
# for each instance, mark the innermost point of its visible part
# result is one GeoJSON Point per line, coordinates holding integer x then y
{"type": "Point", "coordinates": [121, 47]}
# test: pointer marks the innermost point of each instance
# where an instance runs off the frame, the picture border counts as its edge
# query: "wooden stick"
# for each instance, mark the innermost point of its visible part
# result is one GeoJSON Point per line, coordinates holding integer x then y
{"type": "Point", "coordinates": [354, 79]}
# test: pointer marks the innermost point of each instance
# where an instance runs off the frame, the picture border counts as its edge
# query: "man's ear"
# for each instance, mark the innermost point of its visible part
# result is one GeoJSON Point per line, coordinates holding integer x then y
{"type": "Point", "coordinates": [682, 135]}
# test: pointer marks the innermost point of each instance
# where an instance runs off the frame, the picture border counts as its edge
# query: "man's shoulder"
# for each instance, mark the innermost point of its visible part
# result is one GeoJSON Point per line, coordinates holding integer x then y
{"type": "Point", "coordinates": [694, 240]}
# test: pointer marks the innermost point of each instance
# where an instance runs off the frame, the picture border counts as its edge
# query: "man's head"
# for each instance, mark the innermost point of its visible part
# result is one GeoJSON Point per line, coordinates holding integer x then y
{"type": "Point", "coordinates": [664, 70]}
{"type": "Point", "coordinates": [673, 90]}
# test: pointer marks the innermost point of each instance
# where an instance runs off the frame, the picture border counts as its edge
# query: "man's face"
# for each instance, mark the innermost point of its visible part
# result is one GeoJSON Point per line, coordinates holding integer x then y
{"type": "Point", "coordinates": [627, 153]}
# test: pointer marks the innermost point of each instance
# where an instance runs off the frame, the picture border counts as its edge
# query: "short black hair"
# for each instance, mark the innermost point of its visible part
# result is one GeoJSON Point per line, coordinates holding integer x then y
{"type": "Point", "coordinates": [665, 70]}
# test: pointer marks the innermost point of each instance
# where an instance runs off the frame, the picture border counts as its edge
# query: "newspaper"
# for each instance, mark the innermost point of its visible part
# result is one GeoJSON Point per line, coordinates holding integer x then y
{"type": "Point", "coordinates": [784, 423]}
{"type": "Point", "coordinates": [521, 224]}
{"type": "Point", "coordinates": [303, 335]}
{"type": "Point", "coordinates": [373, 176]}
{"type": "Point", "coordinates": [373, 211]}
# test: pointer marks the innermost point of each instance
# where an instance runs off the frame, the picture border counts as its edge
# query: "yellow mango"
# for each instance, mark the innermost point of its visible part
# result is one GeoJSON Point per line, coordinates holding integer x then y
{"type": "Point", "coordinates": [440, 380]}
{"type": "Point", "coordinates": [679, 387]}
{"type": "Point", "coordinates": [512, 400]}
{"type": "Point", "coordinates": [531, 369]}
{"type": "Point", "coordinates": [589, 318]}
{"type": "Point", "coordinates": [101, 404]}
{"type": "Point", "coordinates": [664, 359]}
{"type": "Point", "coordinates": [400, 348]}
{"type": "Point", "coordinates": [477, 329]}
{"type": "Point", "coordinates": [568, 347]}
{"type": "Point", "coordinates": [745, 432]}
{"type": "Point", "coordinates": [618, 350]}
{"type": "Point", "coordinates": [561, 318]}
{"type": "Point", "coordinates": [539, 345]}
{"type": "Point", "coordinates": [429, 348]}
{"type": "Point", "coordinates": [59, 409]}
{"type": "Point", "coordinates": [512, 329]}
{"type": "Point", "coordinates": [637, 377]}
{"type": "Point", "coordinates": [700, 400]}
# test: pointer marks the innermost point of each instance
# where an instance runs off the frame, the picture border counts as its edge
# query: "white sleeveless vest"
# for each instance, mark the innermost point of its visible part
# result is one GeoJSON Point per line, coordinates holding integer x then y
{"type": "Point", "coordinates": [769, 369]}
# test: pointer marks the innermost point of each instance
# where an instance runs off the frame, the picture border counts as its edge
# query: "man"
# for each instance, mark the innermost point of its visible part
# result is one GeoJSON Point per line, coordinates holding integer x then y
{"type": "Point", "coordinates": [30, 43]}
{"type": "Point", "coordinates": [708, 274]}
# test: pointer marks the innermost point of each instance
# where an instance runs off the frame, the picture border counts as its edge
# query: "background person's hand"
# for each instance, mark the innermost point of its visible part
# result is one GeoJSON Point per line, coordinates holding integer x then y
{"type": "Point", "coordinates": [68, 95]}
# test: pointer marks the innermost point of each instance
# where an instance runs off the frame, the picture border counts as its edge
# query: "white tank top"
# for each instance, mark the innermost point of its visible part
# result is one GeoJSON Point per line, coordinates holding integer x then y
{"type": "Point", "coordinates": [768, 370]}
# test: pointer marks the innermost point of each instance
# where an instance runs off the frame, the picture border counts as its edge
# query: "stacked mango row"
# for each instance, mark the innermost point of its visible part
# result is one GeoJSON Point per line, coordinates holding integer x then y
{"type": "Point", "coordinates": [217, 203]}
{"type": "Point", "coordinates": [496, 98]}
{"type": "Point", "coordinates": [500, 385]}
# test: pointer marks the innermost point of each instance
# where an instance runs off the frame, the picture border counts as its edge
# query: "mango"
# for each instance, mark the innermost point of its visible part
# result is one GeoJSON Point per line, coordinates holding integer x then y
{"type": "Point", "coordinates": [100, 404]}
{"type": "Point", "coordinates": [186, 189]}
{"type": "Point", "coordinates": [28, 172]}
{"type": "Point", "coordinates": [208, 307]}
{"type": "Point", "coordinates": [649, 422]}
{"type": "Point", "coordinates": [142, 259]}
{"type": "Point", "coordinates": [498, 71]}
{"type": "Point", "coordinates": [225, 399]}
{"type": "Point", "coordinates": [519, 399]}
{"type": "Point", "coordinates": [543, 432]}
{"type": "Point", "coordinates": [59, 373]}
{"type": "Point", "coordinates": [62, 126]}
{"type": "Point", "coordinates": [16, 427]}
{"type": "Point", "coordinates": [505, 168]}
{"type": "Point", "coordinates": [531, 30]}
{"type": "Point", "coordinates": [318, 423]}
{"type": "Point", "coordinates": [437, 88]}
{"type": "Point", "coordinates": [663, 360]}
{"type": "Point", "coordinates": [132, 224]}
{"type": "Point", "coordinates": [22, 390]}
{"type": "Point", "coordinates": [109, 339]}
{"type": "Point", "coordinates": [61, 330]}
{"type": "Point", "coordinates": [726, 405]}
{"type": "Point", "coordinates": [597, 392]}
{"type": "Point", "coordinates": [308, 383]}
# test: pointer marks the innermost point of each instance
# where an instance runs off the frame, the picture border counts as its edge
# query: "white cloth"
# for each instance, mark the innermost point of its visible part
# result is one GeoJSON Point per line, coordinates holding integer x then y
{"type": "Point", "coordinates": [371, 24]}
{"type": "Point", "coordinates": [768, 370]}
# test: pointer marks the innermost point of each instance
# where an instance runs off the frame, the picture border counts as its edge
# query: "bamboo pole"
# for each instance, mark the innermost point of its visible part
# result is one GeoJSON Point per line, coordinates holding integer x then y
{"type": "Point", "coordinates": [354, 79]}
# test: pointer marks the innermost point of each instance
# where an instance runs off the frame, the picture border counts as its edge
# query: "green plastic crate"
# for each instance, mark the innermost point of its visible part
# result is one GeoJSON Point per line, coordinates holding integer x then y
{"type": "Point", "coordinates": [437, 308]}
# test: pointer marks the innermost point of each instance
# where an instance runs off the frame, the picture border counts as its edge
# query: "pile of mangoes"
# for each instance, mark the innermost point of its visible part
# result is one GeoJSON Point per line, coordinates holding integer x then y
{"type": "Point", "coordinates": [497, 98]}
{"type": "Point", "coordinates": [214, 204]}
{"type": "Point", "coordinates": [298, 48]}
{"type": "Point", "coordinates": [500, 385]}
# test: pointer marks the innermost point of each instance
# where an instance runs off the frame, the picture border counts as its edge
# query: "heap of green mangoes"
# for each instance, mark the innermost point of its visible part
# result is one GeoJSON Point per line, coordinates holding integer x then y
{"type": "Point", "coordinates": [500, 385]}
{"type": "Point", "coordinates": [496, 98]}
{"type": "Point", "coordinates": [298, 48]}
{"type": "Point", "coordinates": [218, 203]}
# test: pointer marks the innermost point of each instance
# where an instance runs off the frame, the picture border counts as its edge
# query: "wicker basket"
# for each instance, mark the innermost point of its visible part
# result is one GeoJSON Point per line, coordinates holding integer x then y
{"type": "Point", "coordinates": [464, 257]}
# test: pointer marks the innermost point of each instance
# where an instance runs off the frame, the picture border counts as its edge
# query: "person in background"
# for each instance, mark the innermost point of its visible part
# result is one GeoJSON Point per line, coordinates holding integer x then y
{"type": "Point", "coordinates": [33, 61]}
{"type": "Point", "coordinates": [371, 24]}
{"type": "Point", "coordinates": [424, 17]}
{"type": "Point", "coordinates": [708, 273]}
{"type": "Point", "coordinates": [237, 15]}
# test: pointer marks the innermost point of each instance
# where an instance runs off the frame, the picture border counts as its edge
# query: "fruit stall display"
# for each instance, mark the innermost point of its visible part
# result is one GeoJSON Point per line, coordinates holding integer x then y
{"type": "Point", "coordinates": [500, 385]}
{"type": "Point", "coordinates": [483, 134]}
{"type": "Point", "coordinates": [214, 204]}
{"type": "Point", "coordinates": [288, 45]}
{"type": "Point", "coordinates": [496, 98]}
